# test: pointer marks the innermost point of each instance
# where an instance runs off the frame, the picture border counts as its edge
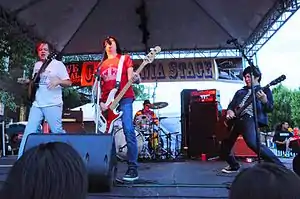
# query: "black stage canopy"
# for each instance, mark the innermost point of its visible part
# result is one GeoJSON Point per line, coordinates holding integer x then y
{"type": "Point", "coordinates": [78, 26]}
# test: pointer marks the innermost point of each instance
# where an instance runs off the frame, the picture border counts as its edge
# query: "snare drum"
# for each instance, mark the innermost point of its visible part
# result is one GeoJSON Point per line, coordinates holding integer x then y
{"type": "Point", "coordinates": [121, 145]}
{"type": "Point", "coordinates": [143, 123]}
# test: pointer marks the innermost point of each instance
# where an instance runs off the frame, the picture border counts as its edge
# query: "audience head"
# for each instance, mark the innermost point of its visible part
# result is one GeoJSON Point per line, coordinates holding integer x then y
{"type": "Point", "coordinates": [49, 171]}
{"type": "Point", "coordinates": [265, 180]}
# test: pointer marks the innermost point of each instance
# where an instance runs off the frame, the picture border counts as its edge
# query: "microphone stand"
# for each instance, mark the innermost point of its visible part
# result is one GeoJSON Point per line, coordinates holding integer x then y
{"type": "Point", "coordinates": [154, 92]}
{"type": "Point", "coordinates": [97, 88]}
{"type": "Point", "coordinates": [238, 46]}
{"type": "Point", "coordinates": [154, 97]}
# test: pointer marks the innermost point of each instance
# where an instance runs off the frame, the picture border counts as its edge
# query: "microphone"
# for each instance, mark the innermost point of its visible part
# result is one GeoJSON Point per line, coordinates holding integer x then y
{"type": "Point", "coordinates": [231, 41]}
{"type": "Point", "coordinates": [108, 41]}
{"type": "Point", "coordinates": [97, 73]}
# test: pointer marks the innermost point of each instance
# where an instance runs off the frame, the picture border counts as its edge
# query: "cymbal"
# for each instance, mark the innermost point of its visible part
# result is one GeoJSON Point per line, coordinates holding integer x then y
{"type": "Point", "coordinates": [161, 118]}
{"type": "Point", "coordinates": [159, 105]}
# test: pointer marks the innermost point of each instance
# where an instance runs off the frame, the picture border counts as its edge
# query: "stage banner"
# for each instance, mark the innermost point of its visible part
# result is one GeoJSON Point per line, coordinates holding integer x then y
{"type": "Point", "coordinates": [229, 68]}
{"type": "Point", "coordinates": [174, 70]}
{"type": "Point", "coordinates": [82, 73]}
{"type": "Point", "coordinates": [167, 70]}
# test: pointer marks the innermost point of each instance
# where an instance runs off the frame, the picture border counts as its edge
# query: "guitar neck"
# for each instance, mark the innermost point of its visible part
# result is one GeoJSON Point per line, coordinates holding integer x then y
{"type": "Point", "coordinates": [115, 103]}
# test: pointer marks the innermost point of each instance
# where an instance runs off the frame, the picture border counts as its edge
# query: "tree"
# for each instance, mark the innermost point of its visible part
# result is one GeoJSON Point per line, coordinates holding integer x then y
{"type": "Point", "coordinates": [295, 107]}
{"type": "Point", "coordinates": [282, 108]}
{"type": "Point", "coordinates": [75, 96]}
{"type": "Point", "coordinates": [286, 106]}
{"type": "Point", "coordinates": [16, 56]}
{"type": "Point", "coordinates": [140, 92]}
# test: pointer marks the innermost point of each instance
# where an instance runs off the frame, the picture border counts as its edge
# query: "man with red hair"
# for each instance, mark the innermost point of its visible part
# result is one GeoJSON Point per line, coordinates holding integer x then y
{"type": "Point", "coordinates": [48, 103]}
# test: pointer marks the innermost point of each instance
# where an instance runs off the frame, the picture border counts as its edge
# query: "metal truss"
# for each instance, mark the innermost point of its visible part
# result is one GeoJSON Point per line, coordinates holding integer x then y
{"type": "Point", "coordinates": [196, 53]}
{"type": "Point", "coordinates": [164, 55]}
{"type": "Point", "coordinates": [274, 20]}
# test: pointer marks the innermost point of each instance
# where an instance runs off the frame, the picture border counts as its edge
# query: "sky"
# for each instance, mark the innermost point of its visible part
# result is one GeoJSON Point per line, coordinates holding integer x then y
{"type": "Point", "coordinates": [278, 56]}
{"type": "Point", "coordinates": [281, 54]}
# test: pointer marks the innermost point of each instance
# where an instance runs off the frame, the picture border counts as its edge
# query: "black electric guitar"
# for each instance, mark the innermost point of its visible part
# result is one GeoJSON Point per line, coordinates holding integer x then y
{"type": "Point", "coordinates": [34, 82]}
{"type": "Point", "coordinates": [238, 110]}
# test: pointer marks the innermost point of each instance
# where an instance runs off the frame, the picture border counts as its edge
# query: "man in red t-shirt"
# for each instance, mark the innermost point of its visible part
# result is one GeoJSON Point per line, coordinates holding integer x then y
{"type": "Point", "coordinates": [108, 72]}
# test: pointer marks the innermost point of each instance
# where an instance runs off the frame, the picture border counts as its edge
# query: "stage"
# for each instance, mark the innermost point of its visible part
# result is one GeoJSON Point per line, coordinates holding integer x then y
{"type": "Point", "coordinates": [181, 179]}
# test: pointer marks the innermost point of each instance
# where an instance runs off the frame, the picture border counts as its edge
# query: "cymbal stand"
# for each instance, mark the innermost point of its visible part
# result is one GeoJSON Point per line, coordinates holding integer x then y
{"type": "Point", "coordinates": [154, 98]}
{"type": "Point", "coordinates": [168, 140]}
{"type": "Point", "coordinates": [154, 91]}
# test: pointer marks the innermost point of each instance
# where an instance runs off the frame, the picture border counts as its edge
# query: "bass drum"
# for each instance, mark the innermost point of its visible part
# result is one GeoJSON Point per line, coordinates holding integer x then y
{"type": "Point", "coordinates": [121, 145]}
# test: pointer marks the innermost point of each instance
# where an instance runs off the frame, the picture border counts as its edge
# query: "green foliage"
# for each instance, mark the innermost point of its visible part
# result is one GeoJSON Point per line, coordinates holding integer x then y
{"type": "Point", "coordinates": [16, 55]}
{"type": "Point", "coordinates": [15, 46]}
{"type": "Point", "coordinates": [295, 107]}
{"type": "Point", "coordinates": [286, 106]}
{"type": "Point", "coordinates": [72, 98]}
{"type": "Point", "coordinates": [140, 92]}
{"type": "Point", "coordinates": [8, 100]}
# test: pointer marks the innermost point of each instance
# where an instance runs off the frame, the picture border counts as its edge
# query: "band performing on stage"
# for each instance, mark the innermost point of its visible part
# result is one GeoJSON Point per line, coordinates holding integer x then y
{"type": "Point", "coordinates": [139, 136]}
{"type": "Point", "coordinates": [149, 99]}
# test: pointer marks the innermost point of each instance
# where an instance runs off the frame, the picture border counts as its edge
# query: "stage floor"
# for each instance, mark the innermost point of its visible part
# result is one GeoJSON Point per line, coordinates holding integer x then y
{"type": "Point", "coordinates": [184, 179]}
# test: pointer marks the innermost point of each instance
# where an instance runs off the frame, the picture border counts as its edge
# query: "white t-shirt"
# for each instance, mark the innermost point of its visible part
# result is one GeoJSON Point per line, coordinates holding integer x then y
{"type": "Point", "coordinates": [50, 97]}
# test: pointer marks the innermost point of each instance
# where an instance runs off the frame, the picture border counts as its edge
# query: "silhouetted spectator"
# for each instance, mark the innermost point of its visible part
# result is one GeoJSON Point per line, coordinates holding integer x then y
{"type": "Point", "coordinates": [48, 171]}
{"type": "Point", "coordinates": [265, 181]}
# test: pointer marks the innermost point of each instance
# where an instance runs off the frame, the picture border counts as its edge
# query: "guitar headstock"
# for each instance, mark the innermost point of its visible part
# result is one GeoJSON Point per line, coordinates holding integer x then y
{"type": "Point", "coordinates": [52, 56]}
{"type": "Point", "coordinates": [150, 57]}
{"type": "Point", "coordinates": [277, 80]}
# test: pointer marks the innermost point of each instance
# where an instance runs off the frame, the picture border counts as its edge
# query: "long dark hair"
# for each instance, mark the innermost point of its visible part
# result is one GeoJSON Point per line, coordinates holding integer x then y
{"type": "Point", "coordinates": [50, 171]}
{"type": "Point", "coordinates": [118, 49]}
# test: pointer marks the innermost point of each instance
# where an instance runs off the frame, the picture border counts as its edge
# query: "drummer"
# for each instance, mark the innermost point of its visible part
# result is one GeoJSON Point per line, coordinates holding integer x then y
{"type": "Point", "coordinates": [151, 116]}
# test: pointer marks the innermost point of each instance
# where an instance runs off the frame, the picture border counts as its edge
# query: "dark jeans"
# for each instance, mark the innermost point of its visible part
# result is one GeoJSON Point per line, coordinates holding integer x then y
{"type": "Point", "coordinates": [246, 127]}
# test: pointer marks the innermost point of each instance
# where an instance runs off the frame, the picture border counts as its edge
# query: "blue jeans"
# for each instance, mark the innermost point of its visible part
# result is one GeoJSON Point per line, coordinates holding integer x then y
{"type": "Point", "coordinates": [125, 106]}
{"type": "Point", "coordinates": [246, 127]}
{"type": "Point", "coordinates": [52, 114]}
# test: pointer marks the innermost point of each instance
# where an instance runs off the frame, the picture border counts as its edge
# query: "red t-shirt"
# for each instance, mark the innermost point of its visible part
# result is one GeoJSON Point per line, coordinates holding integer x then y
{"type": "Point", "coordinates": [108, 72]}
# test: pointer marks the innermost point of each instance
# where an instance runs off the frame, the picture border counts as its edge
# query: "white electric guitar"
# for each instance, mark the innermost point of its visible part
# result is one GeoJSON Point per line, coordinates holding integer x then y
{"type": "Point", "coordinates": [105, 125]}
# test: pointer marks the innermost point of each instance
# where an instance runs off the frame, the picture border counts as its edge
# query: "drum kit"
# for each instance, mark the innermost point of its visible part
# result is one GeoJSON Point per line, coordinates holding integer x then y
{"type": "Point", "coordinates": [149, 140]}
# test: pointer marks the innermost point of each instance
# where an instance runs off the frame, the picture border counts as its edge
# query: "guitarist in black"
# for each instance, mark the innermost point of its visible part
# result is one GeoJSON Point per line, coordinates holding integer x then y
{"type": "Point", "coordinates": [244, 123]}
{"type": "Point", "coordinates": [47, 100]}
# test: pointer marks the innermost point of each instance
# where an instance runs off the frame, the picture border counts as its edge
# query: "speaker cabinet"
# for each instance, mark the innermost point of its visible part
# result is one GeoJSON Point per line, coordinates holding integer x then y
{"type": "Point", "coordinates": [185, 96]}
{"type": "Point", "coordinates": [98, 151]}
{"type": "Point", "coordinates": [202, 125]}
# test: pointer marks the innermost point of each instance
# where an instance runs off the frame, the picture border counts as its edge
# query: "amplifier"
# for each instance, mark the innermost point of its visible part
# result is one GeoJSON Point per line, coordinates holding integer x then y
{"type": "Point", "coordinates": [72, 116]}
{"type": "Point", "coordinates": [203, 96]}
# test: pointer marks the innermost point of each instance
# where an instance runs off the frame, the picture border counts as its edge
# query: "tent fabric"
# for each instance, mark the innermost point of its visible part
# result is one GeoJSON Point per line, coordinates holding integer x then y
{"type": "Point", "coordinates": [78, 26]}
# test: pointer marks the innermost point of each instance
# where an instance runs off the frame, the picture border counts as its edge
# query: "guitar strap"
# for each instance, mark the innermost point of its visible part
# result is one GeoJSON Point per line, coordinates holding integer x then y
{"type": "Point", "coordinates": [119, 73]}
